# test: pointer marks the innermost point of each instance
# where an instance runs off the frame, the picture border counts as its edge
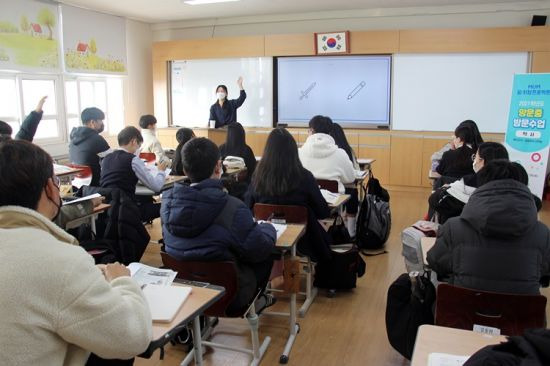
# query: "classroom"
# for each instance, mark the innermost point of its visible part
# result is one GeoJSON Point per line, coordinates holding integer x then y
{"type": "Point", "coordinates": [252, 182]}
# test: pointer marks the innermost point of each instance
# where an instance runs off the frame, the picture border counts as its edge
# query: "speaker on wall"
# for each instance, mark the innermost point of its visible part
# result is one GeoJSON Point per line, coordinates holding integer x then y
{"type": "Point", "coordinates": [538, 20]}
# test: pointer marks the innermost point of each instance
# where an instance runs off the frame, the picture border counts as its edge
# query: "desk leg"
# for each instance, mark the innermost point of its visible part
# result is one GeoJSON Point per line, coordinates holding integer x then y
{"type": "Point", "coordinates": [197, 341]}
{"type": "Point", "coordinates": [294, 327]}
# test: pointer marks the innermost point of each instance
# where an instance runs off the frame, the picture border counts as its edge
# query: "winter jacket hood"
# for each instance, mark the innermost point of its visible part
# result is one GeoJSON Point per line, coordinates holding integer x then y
{"type": "Point", "coordinates": [501, 208]}
{"type": "Point", "coordinates": [81, 134]}
{"type": "Point", "coordinates": [319, 145]}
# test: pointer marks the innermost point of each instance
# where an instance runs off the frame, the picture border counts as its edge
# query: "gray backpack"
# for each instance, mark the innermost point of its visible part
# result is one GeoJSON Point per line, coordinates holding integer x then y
{"type": "Point", "coordinates": [373, 223]}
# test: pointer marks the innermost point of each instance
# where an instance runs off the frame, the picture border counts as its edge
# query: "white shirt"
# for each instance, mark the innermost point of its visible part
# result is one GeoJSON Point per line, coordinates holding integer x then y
{"type": "Point", "coordinates": [325, 160]}
{"type": "Point", "coordinates": [151, 144]}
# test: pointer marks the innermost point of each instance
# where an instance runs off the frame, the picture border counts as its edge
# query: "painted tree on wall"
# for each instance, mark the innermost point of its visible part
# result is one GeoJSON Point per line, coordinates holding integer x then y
{"type": "Point", "coordinates": [93, 46]}
{"type": "Point", "coordinates": [24, 24]}
{"type": "Point", "coordinates": [47, 18]}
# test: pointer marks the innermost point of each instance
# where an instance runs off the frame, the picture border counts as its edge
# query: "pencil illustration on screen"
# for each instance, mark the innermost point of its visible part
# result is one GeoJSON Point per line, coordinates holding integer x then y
{"type": "Point", "coordinates": [356, 90]}
{"type": "Point", "coordinates": [305, 93]}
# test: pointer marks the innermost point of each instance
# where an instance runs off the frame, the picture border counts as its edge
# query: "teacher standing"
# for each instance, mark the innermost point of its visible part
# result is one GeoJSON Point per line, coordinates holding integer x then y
{"type": "Point", "coordinates": [224, 111]}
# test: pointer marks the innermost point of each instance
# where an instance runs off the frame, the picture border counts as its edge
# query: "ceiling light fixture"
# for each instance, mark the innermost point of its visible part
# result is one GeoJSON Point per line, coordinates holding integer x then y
{"type": "Point", "coordinates": [202, 2]}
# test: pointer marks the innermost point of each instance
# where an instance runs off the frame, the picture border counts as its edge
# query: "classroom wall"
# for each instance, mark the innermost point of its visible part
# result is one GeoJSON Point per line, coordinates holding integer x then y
{"type": "Point", "coordinates": [461, 16]}
{"type": "Point", "coordinates": [139, 83]}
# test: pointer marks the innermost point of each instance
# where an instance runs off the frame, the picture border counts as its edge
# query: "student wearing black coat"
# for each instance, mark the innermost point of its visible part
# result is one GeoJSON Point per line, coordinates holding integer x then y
{"type": "Point", "coordinates": [280, 179]}
{"type": "Point", "coordinates": [497, 243]}
{"type": "Point", "coordinates": [456, 163]}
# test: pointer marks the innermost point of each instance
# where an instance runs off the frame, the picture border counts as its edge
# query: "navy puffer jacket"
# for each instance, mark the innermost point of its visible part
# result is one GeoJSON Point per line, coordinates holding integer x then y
{"type": "Point", "coordinates": [193, 230]}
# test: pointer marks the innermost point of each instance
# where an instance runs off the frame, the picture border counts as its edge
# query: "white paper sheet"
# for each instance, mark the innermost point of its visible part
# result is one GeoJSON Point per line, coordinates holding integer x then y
{"type": "Point", "coordinates": [446, 359]}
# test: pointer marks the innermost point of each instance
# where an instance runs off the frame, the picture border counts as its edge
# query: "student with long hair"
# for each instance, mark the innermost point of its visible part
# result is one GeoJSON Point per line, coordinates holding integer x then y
{"type": "Point", "coordinates": [235, 145]}
{"type": "Point", "coordinates": [281, 179]}
{"type": "Point", "coordinates": [352, 206]}
{"type": "Point", "coordinates": [182, 136]}
{"type": "Point", "coordinates": [458, 162]}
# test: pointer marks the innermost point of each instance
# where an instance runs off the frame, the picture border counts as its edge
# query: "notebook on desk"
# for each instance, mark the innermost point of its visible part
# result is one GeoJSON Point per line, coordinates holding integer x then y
{"type": "Point", "coordinates": [165, 301]}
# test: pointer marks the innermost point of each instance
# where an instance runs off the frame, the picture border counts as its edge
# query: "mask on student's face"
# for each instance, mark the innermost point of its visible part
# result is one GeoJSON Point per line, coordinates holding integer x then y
{"type": "Point", "coordinates": [101, 128]}
{"type": "Point", "coordinates": [221, 95]}
{"type": "Point", "coordinates": [474, 166]}
{"type": "Point", "coordinates": [58, 205]}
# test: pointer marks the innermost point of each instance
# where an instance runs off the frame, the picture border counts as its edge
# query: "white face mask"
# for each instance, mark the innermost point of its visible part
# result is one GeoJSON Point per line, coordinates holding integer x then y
{"type": "Point", "coordinates": [221, 95]}
{"type": "Point", "coordinates": [476, 169]}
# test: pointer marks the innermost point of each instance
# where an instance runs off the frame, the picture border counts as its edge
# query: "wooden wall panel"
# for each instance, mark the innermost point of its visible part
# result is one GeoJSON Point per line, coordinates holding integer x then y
{"type": "Point", "coordinates": [257, 140]}
{"type": "Point", "coordinates": [475, 40]}
{"type": "Point", "coordinates": [371, 42]}
{"type": "Point", "coordinates": [160, 90]}
{"type": "Point", "coordinates": [406, 160]}
{"type": "Point", "coordinates": [369, 138]}
{"type": "Point", "coordinates": [289, 44]}
{"type": "Point", "coordinates": [167, 137]}
{"type": "Point", "coordinates": [540, 62]}
{"type": "Point", "coordinates": [251, 46]}
{"type": "Point", "coordinates": [381, 167]}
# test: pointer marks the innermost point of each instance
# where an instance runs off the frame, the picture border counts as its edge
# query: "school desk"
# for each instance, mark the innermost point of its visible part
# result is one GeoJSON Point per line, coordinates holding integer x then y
{"type": "Point", "coordinates": [102, 207]}
{"type": "Point", "coordinates": [142, 190]}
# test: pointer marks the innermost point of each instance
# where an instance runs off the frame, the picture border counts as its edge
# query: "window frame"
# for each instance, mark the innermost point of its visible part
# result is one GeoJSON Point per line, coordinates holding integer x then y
{"type": "Point", "coordinates": [78, 78]}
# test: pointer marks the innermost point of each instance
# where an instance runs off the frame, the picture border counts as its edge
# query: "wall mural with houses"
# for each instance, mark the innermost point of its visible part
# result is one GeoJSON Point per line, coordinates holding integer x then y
{"type": "Point", "coordinates": [28, 35]}
{"type": "Point", "coordinates": [99, 47]}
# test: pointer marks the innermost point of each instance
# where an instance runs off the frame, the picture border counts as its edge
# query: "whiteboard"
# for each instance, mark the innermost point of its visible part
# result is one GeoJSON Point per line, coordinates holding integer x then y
{"type": "Point", "coordinates": [435, 92]}
{"type": "Point", "coordinates": [194, 83]}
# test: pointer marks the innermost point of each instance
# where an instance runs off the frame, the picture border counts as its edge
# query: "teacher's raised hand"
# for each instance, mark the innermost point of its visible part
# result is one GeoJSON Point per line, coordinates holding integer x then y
{"type": "Point", "coordinates": [240, 82]}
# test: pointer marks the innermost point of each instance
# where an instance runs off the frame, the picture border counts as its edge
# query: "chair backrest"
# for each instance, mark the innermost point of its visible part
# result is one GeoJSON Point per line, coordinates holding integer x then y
{"type": "Point", "coordinates": [462, 308]}
{"type": "Point", "coordinates": [291, 214]}
{"type": "Point", "coordinates": [329, 185]}
{"type": "Point", "coordinates": [85, 173]}
{"type": "Point", "coordinates": [149, 157]}
{"type": "Point", "coordinates": [217, 273]}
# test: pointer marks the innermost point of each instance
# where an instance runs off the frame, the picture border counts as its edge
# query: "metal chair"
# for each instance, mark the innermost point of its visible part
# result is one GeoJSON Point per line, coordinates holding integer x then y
{"type": "Point", "coordinates": [221, 274]}
{"type": "Point", "coordinates": [294, 215]}
{"type": "Point", "coordinates": [462, 308]}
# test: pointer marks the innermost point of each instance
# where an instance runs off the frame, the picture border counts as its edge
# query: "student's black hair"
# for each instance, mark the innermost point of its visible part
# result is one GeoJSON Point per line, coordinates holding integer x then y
{"type": "Point", "coordinates": [502, 169]}
{"type": "Point", "coordinates": [320, 124]}
{"type": "Point", "coordinates": [235, 142]}
{"type": "Point", "coordinates": [465, 134]}
{"type": "Point", "coordinates": [224, 88]}
{"type": "Point", "coordinates": [477, 139]}
{"type": "Point", "coordinates": [92, 114]}
{"type": "Point", "coordinates": [147, 120]}
{"type": "Point", "coordinates": [337, 133]}
{"type": "Point", "coordinates": [127, 134]}
{"type": "Point", "coordinates": [29, 169]}
{"type": "Point", "coordinates": [490, 151]}
{"type": "Point", "coordinates": [280, 170]}
{"type": "Point", "coordinates": [5, 129]}
{"type": "Point", "coordinates": [199, 158]}
{"type": "Point", "coordinates": [182, 136]}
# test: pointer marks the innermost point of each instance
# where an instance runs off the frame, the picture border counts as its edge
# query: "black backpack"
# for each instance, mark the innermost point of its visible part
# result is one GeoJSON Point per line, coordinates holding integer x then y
{"type": "Point", "coordinates": [373, 223]}
{"type": "Point", "coordinates": [409, 305]}
{"type": "Point", "coordinates": [341, 271]}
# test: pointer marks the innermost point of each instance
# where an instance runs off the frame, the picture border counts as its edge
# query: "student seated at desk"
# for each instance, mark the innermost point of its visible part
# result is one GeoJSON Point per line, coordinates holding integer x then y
{"type": "Point", "coordinates": [457, 162]}
{"type": "Point", "coordinates": [478, 140]}
{"type": "Point", "coordinates": [352, 206]}
{"type": "Point", "coordinates": [282, 180]}
{"type": "Point", "coordinates": [496, 244]}
{"type": "Point", "coordinates": [202, 222]}
{"type": "Point", "coordinates": [57, 306]}
{"type": "Point", "coordinates": [86, 142]}
{"type": "Point", "coordinates": [235, 145]}
{"type": "Point", "coordinates": [123, 169]}
{"type": "Point", "coordinates": [449, 200]}
{"type": "Point", "coordinates": [151, 143]}
{"type": "Point", "coordinates": [182, 136]}
{"type": "Point", "coordinates": [322, 157]}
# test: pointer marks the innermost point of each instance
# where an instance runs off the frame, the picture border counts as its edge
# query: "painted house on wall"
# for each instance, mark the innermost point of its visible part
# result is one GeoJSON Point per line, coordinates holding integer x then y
{"type": "Point", "coordinates": [82, 48]}
{"type": "Point", "coordinates": [36, 30]}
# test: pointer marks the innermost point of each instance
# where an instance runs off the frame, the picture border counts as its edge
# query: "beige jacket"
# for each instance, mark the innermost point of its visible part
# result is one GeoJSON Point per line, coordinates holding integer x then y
{"type": "Point", "coordinates": [151, 144]}
{"type": "Point", "coordinates": [55, 305]}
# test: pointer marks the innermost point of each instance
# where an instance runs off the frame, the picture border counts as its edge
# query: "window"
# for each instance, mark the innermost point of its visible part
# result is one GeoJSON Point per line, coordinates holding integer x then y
{"type": "Point", "coordinates": [19, 95]}
{"type": "Point", "coordinates": [32, 90]}
{"type": "Point", "coordinates": [105, 93]}
{"type": "Point", "coordinates": [8, 103]}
